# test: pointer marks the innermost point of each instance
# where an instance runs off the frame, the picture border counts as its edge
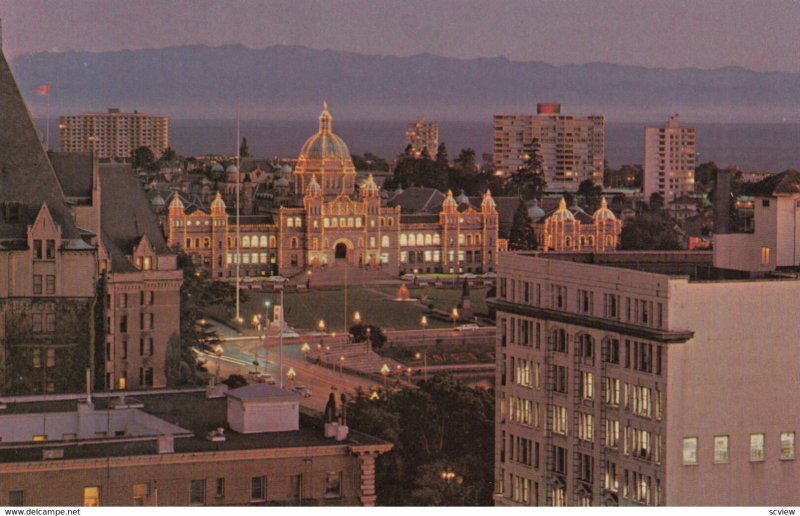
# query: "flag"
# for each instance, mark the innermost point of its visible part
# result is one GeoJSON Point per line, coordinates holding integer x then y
{"type": "Point", "coordinates": [43, 90]}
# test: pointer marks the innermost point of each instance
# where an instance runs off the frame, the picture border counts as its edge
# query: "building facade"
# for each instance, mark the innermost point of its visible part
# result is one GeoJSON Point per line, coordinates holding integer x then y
{"type": "Point", "coordinates": [669, 160]}
{"type": "Point", "coordinates": [335, 222]}
{"type": "Point", "coordinates": [571, 147]}
{"type": "Point", "coordinates": [630, 379]}
{"type": "Point", "coordinates": [114, 134]}
{"type": "Point", "coordinates": [423, 135]}
{"type": "Point", "coordinates": [575, 230]}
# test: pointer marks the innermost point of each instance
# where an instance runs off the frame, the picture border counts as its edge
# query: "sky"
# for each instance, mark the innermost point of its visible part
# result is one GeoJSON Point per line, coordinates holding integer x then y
{"type": "Point", "coordinates": [760, 35]}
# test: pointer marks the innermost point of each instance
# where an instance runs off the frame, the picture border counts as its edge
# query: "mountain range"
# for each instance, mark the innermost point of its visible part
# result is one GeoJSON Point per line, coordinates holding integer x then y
{"type": "Point", "coordinates": [290, 83]}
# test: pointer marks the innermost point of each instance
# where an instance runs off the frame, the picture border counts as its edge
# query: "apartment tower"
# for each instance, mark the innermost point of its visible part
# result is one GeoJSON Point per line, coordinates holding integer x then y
{"type": "Point", "coordinates": [114, 134]}
{"type": "Point", "coordinates": [669, 160]}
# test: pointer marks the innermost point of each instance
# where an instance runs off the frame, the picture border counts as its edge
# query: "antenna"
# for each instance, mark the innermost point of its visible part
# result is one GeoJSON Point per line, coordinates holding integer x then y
{"type": "Point", "coordinates": [238, 226]}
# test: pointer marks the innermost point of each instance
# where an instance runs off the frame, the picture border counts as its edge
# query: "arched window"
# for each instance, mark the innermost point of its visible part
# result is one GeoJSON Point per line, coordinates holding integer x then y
{"type": "Point", "coordinates": [349, 222]}
{"type": "Point", "coordinates": [428, 239]}
{"type": "Point", "coordinates": [326, 222]}
{"type": "Point", "coordinates": [412, 240]}
{"type": "Point", "coordinates": [297, 222]}
{"type": "Point", "coordinates": [289, 222]}
{"type": "Point", "coordinates": [293, 243]}
{"type": "Point", "coordinates": [469, 239]}
{"type": "Point", "coordinates": [609, 241]}
{"type": "Point", "coordinates": [385, 241]}
{"type": "Point", "coordinates": [188, 243]}
{"type": "Point", "coordinates": [358, 222]}
{"type": "Point", "coordinates": [245, 241]}
{"type": "Point", "coordinates": [206, 242]}
{"type": "Point", "coordinates": [477, 239]}
{"type": "Point", "coordinates": [273, 242]}
{"type": "Point", "coordinates": [436, 240]}
{"type": "Point", "coordinates": [197, 243]}
{"type": "Point", "coordinates": [342, 222]}
{"type": "Point", "coordinates": [567, 242]}
{"type": "Point", "coordinates": [316, 224]}
{"type": "Point", "coordinates": [334, 222]}
{"type": "Point", "coordinates": [403, 239]}
{"type": "Point", "coordinates": [460, 239]}
{"type": "Point", "coordinates": [420, 239]}
{"type": "Point", "coordinates": [585, 346]}
{"type": "Point", "coordinates": [262, 241]}
{"type": "Point", "coordinates": [391, 221]}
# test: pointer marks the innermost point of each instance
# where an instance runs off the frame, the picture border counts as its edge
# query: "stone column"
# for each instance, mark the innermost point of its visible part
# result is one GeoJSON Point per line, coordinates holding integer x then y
{"type": "Point", "coordinates": [367, 463]}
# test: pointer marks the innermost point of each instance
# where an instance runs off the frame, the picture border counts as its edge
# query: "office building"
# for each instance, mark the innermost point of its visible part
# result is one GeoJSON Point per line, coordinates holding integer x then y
{"type": "Point", "coordinates": [114, 134]}
{"type": "Point", "coordinates": [669, 160]}
{"type": "Point", "coordinates": [571, 147]}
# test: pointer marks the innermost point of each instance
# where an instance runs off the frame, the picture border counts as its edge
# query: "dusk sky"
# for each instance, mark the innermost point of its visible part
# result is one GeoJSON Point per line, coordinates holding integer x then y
{"type": "Point", "coordinates": [761, 35]}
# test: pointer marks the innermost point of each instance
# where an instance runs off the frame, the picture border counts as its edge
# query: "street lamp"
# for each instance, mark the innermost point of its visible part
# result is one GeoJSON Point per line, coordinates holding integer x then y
{"type": "Point", "coordinates": [321, 326]}
{"type": "Point", "coordinates": [341, 365]}
{"type": "Point", "coordinates": [305, 348]}
{"type": "Point", "coordinates": [385, 372]}
{"type": "Point", "coordinates": [454, 316]}
{"type": "Point", "coordinates": [424, 357]}
{"type": "Point", "coordinates": [291, 374]}
{"type": "Point", "coordinates": [218, 352]}
{"type": "Point", "coordinates": [357, 318]}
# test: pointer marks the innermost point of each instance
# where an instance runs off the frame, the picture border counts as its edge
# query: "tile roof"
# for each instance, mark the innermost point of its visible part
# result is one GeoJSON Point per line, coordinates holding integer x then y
{"type": "Point", "coordinates": [787, 182]}
{"type": "Point", "coordinates": [26, 175]}
{"type": "Point", "coordinates": [418, 199]}
{"type": "Point", "coordinates": [74, 171]}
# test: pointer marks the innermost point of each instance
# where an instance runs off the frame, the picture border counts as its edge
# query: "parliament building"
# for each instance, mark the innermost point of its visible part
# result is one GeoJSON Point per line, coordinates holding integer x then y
{"type": "Point", "coordinates": [336, 221]}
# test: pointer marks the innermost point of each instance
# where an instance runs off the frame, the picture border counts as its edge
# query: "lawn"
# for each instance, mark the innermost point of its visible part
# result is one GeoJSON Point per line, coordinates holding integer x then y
{"type": "Point", "coordinates": [446, 298]}
{"type": "Point", "coordinates": [305, 309]}
{"type": "Point", "coordinates": [442, 354]}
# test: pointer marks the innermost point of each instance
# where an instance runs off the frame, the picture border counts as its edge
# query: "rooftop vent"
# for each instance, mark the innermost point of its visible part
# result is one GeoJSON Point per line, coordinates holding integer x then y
{"type": "Point", "coordinates": [216, 436]}
{"type": "Point", "coordinates": [166, 443]}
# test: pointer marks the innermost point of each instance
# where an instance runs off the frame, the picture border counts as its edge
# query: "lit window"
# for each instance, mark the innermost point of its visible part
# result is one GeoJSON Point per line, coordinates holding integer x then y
{"type": "Point", "coordinates": [91, 496]}
{"type": "Point", "coordinates": [787, 445]}
{"type": "Point", "coordinates": [765, 256]}
{"type": "Point", "coordinates": [140, 493]}
{"type": "Point", "coordinates": [690, 451]}
{"type": "Point", "coordinates": [756, 447]}
{"type": "Point", "coordinates": [720, 449]}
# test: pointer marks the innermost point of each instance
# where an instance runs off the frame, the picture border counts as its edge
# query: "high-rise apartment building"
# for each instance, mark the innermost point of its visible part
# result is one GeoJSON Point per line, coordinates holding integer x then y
{"type": "Point", "coordinates": [423, 135]}
{"type": "Point", "coordinates": [669, 160]}
{"type": "Point", "coordinates": [571, 147]}
{"type": "Point", "coordinates": [650, 378]}
{"type": "Point", "coordinates": [113, 134]}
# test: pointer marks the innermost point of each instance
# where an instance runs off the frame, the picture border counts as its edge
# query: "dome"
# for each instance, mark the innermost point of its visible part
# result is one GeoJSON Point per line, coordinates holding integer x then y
{"type": "Point", "coordinates": [449, 201]}
{"type": "Point", "coordinates": [562, 214]}
{"type": "Point", "coordinates": [487, 201]}
{"type": "Point", "coordinates": [325, 144]}
{"type": "Point", "coordinates": [176, 201]}
{"type": "Point", "coordinates": [462, 198]}
{"type": "Point", "coordinates": [603, 213]}
{"type": "Point", "coordinates": [369, 185]}
{"type": "Point", "coordinates": [157, 201]}
{"type": "Point", "coordinates": [313, 186]}
{"type": "Point", "coordinates": [231, 168]}
{"type": "Point", "coordinates": [217, 168]}
{"type": "Point", "coordinates": [535, 212]}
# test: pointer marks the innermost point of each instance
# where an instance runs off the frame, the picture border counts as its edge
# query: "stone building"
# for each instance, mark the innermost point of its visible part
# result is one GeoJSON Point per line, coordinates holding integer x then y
{"type": "Point", "coordinates": [573, 229]}
{"type": "Point", "coordinates": [335, 222]}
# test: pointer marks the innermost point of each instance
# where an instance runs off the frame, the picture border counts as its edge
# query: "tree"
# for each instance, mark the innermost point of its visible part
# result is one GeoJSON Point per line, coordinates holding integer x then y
{"type": "Point", "coordinates": [522, 236]}
{"type": "Point", "coordinates": [650, 231]}
{"type": "Point", "coordinates": [142, 158]}
{"type": "Point", "coordinates": [656, 201]}
{"type": "Point", "coordinates": [361, 332]}
{"type": "Point", "coordinates": [244, 149]}
{"type": "Point", "coordinates": [169, 155]}
{"type": "Point", "coordinates": [528, 182]}
{"type": "Point", "coordinates": [441, 426]}
{"type": "Point", "coordinates": [591, 194]}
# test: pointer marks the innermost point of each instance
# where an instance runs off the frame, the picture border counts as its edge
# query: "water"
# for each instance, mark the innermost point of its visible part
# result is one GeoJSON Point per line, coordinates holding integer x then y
{"type": "Point", "coordinates": [765, 147]}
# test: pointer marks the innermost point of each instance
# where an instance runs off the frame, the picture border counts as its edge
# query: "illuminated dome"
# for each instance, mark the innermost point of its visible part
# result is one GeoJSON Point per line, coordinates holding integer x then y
{"type": "Point", "coordinates": [327, 156]}
{"type": "Point", "coordinates": [218, 202]}
{"type": "Point", "coordinates": [603, 213]}
{"type": "Point", "coordinates": [562, 213]}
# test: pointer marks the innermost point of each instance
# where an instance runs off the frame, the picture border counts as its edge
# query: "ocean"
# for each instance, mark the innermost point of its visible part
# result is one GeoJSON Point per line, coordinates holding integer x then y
{"type": "Point", "coordinates": [762, 147]}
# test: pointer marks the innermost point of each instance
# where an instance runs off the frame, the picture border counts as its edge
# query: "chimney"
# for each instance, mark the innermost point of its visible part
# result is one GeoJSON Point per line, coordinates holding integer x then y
{"type": "Point", "coordinates": [722, 200]}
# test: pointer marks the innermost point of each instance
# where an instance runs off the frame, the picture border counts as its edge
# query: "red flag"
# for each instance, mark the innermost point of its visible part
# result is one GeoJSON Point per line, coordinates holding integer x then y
{"type": "Point", "coordinates": [43, 90]}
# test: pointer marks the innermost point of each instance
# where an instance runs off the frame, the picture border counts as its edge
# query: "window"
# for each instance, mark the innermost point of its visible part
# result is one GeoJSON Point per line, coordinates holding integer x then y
{"type": "Point", "coordinates": [51, 357]}
{"type": "Point", "coordinates": [16, 498]}
{"type": "Point", "coordinates": [720, 449]}
{"type": "Point", "coordinates": [560, 341]}
{"type": "Point", "coordinates": [91, 496]}
{"type": "Point", "coordinates": [296, 485]}
{"type": "Point", "coordinates": [140, 493]}
{"type": "Point", "coordinates": [756, 447]}
{"type": "Point", "coordinates": [560, 379]}
{"type": "Point", "coordinates": [611, 391]}
{"type": "Point", "coordinates": [37, 358]}
{"type": "Point", "coordinates": [588, 385]}
{"type": "Point", "coordinates": [689, 451]}
{"type": "Point", "coordinates": [560, 420]}
{"type": "Point", "coordinates": [36, 320]}
{"type": "Point", "coordinates": [51, 249]}
{"type": "Point", "coordinates": [333, 484]}
{"type": "Point", "coordinates": [37, 284]}
{"type": "Point", "coordinates": [765, 256]}
{"type": "Point", "coordinates": [612, 433]}
{"type": "Point", "coordinates": [560, 463]}
{"type": "Point", "coordinates": [197, 492]}
{"type": "Point", "coordinates": [612, 351]}
{"type": "Point", "coordinates": [258, 489]}
{"type": "Point", "coordinates": [787, 445]}
{"type": "Point", "coordinates": [586, 427]}
{"type": "Point", "coordinates": [219, 491]}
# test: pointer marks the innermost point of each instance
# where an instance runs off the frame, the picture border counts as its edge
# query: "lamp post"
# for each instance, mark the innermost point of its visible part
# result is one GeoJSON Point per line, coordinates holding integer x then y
{"type": "Point", "coordinates": [218, 351]}
{"type": "Point", "coordinates": [369, 339]}
{"type": "Point", "coordinates": [280, 338]}
{"type": "Point", "coordinates": [423, 323]}
{"type": "Point", "coordinates": [454, 316]}
{"type": "Point", "coordinates": [341, 365]}
{"type": "Point", "coordinates": [424, 357]}
{"type": "Point", "coordinates": [385, 372]}
{"type": "Point", "coordinates": [291, 374]}
{"type": "Point", "coordinates": [357, 318]}
{"type": "Point", "coordinates": [305, 348]}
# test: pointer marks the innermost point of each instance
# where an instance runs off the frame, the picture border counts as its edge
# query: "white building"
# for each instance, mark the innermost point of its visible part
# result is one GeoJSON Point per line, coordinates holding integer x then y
{"type": "Point", "coordinates": [113, 134]}
{"type": "Point", "coordinates": [669, 160]}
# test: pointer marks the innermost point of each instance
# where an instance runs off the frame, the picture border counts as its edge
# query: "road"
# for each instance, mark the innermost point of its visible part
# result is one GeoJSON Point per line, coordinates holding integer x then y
{"type": "Point", "coordinates": [240, 352]}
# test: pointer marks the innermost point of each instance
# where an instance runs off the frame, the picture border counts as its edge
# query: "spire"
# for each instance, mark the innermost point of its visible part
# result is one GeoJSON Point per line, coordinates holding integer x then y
{"type": "Point", "coordinates": [488, 203]}
{"type": "Point", "coordinates": [562, 204]}
{"type": "Point", "coordinates": [325, 120]}
{"type": "Point", "coordinates": [449, 202]}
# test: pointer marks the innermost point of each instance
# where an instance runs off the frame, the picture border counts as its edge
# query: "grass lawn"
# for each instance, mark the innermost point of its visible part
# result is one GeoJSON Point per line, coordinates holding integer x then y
{"type": "Point", "coordinates": [305, 309]}
{"type": "Point", "coordinates": [446, 298]}
{"type": "Point", "coordinates": [442, 354]}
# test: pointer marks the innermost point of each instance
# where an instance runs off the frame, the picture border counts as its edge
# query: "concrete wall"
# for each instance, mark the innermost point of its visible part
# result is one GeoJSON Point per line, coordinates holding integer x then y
{"type": "Point", "coordinates": [737, 376]}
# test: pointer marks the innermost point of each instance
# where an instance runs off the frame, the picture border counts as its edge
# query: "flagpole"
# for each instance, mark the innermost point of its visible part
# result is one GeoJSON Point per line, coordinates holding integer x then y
{"type": "Point", "coordinates": [238, 226]}
{"type": "Point", "coordinates": [47, 127]}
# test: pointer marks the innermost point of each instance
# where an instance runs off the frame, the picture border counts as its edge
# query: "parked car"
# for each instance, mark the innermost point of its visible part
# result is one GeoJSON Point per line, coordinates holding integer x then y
{"type": "Point", "coordinates": [468, 275]}
{"type": "Point", "coordinates": [277, 279]}
{"type": "Point", "coordinates": [408, 277]}
{"type": "Point", "coordinates": [302, 390]}
{"type": "Point", "coordinates": [467, 327]}
{"type": "Point", "coordinates": [259, 377]}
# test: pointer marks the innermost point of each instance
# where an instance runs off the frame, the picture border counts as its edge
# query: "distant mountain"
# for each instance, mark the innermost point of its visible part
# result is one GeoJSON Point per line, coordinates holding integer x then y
{"type": "Point", "coordinates": [290, 83]}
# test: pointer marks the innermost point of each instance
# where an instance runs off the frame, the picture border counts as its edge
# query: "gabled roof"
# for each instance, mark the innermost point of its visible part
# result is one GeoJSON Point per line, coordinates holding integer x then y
{"type": "Point", "coordinates": [418, 199]}
{"type": "Point", "coordinates": [126, 216]}
{"type": "Point", "coordinates": [26, 175]}
{"type": "Point", "coordinates": [71, 169]}
{"type": "Point", "coordinates": [787, 182]}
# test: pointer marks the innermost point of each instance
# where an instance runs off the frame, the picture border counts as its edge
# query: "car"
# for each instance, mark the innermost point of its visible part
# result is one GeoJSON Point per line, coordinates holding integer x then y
{"type": "Point", "coordinates": [490, 275]}
{"type": "Point", "coordinates": [467, 327]}
{"type": "Point", "coordinates": [259, 377]}
{"type": "Point", "coordinates": [277, 279]}
{"type": "Point", "coordinates": [468, 275]}
{"type": "Point", "coordinates": [302, 390]}
{"type": "Point", "coordinates": [408, 277]}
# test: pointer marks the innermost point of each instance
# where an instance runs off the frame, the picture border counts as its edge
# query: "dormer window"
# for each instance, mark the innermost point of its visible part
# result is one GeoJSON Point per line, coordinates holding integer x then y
{"type": "Point", "coordinates": [147, 263]}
